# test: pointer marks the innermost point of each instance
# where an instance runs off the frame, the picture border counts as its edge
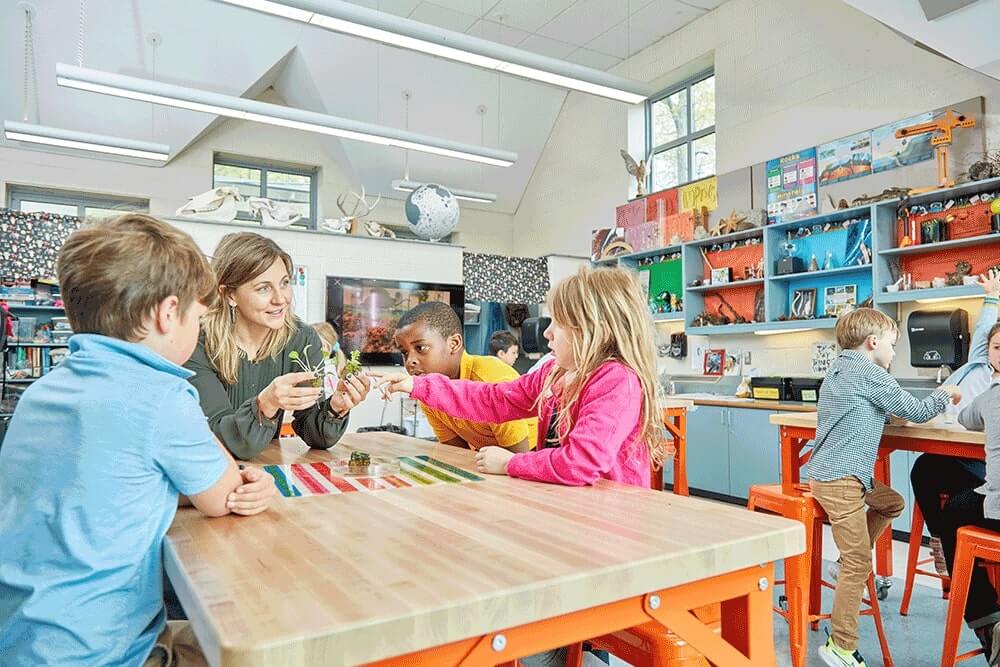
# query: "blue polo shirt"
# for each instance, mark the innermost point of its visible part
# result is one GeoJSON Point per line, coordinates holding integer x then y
{"type": "Point", "coordinates": [90, 469]}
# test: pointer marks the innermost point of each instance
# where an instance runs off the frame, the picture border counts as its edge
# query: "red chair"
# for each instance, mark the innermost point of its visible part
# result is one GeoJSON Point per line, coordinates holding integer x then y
{"type": "Point", "coordinates": [913, 565]}
{"type": "Point", "coordinates": [803, 580]}
{"type": "Point", "coordinates": [972, 543]}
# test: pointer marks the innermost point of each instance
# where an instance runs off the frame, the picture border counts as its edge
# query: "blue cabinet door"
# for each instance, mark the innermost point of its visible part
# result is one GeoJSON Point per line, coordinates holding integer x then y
{"type": "Point", "coordinates": [708, 449]}
{"type": "Point", "coordinates": [754, 450]}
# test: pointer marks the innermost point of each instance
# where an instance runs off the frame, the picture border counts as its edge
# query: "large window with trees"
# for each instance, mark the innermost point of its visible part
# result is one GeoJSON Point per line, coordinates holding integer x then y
{"type": "Point", "coordinates": [680, 132]}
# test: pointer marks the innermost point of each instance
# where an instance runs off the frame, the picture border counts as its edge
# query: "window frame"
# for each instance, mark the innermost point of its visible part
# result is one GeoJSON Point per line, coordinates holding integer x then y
{"type": "Point", "coordinates": [16, 194]}
{"type": "Point", "coordinates": [265, 166]}
{"type": "Point", "coordinates": [688, 139]}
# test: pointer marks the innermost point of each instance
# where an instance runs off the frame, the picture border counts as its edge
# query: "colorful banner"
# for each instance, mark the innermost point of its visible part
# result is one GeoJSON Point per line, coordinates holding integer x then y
{"type": "Point", "coordinates": [700, 193]}
{"type": "Point", "coordinates": [888, 152]}
{"type": "Point", "coordinates": [791, 186]}
{"type": "Point", "coordinates": [299, 480]}
{"type": "Point", "coordinates": [846, 158]}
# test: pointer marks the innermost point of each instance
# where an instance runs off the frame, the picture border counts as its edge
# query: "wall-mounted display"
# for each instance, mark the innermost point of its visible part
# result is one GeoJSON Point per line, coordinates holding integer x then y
{"type": "Point", "coordinates": [715, 362]}
{"type": "Point", "coordinates": [703, 193]}
{"type": "Point", "coordinates": [839, 299]}
{"type": "Point", "coordinates": [791, 186]}
{"type": "Point", "coordinates": [844, 159]}
{"type": "Point", "coordinates": [888, 152]}
{"type": "Point", "coordinates": [804, 304]}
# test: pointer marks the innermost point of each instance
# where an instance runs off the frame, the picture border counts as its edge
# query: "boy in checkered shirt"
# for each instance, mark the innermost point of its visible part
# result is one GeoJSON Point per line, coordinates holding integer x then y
{"type": "Point", "coordinates": [858, 395]}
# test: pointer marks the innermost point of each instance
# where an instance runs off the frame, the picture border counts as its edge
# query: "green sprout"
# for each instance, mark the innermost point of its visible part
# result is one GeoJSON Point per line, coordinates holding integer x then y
{"type": "Point", "coordinates": [353, 366]}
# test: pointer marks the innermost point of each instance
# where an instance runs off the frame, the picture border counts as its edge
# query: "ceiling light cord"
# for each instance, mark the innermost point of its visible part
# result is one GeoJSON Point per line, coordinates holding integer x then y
{"type": "Point", "coordinates": [79, 34]}
{"type": "Point", "coordinates": [30, 73]}
{"type": "Point", "coordinates": [406, 157]}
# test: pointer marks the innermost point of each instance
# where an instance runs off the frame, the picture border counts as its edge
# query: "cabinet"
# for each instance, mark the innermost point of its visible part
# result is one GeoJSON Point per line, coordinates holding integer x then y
{"type": "Point", "coordinates": [730, 449]}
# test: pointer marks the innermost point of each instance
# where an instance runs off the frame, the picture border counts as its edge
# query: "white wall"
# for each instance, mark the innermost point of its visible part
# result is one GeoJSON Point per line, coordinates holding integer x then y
{"type": "Point", "coordinates": [789, 75]}
{"type": "Point", "coordinates": [190, 173]}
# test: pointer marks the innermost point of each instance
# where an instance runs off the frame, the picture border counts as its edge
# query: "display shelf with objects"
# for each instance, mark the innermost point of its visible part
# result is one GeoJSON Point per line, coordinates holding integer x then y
{"type": "Point", "coordinates": [935, 245]}
{"type": "Point", "coordinates": [722, 278]}
{"type": "Point", "coordinates": [662, 274]}
{"type": "Point", "coordinates": [39, 340]}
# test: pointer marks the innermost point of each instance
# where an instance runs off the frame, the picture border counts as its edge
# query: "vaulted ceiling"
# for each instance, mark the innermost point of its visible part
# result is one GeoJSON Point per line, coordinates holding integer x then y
{"type": "Point", "coordinates": [223, 48]}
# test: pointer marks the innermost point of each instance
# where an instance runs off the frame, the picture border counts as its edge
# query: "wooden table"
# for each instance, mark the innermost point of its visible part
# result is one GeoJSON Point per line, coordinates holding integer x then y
{"type": "Point", "coordinates": [934, 438]}
{"type": "Point", "coordinates": [477, 573]}
{"type": "Point", "coordinates": [673, 412]}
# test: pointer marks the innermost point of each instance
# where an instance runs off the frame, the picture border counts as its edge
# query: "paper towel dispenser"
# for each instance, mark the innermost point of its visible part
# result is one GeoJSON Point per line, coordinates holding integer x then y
{"type": "Point", "coordinates": [938, 338]}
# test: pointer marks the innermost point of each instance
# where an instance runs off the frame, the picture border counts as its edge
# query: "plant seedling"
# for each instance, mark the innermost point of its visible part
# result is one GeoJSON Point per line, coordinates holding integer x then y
{"type": "Point", "coordinates": [353, 366]}
{"type": "Point", "coordinates": [319, 371]}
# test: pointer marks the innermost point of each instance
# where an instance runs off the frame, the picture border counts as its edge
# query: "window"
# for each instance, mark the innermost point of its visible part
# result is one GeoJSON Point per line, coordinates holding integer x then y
{"type": "Point", "coordinates": [31, 199]}
{"type": "Point", "coordinates": [287, 185]}
{"type": "Point", "coordinates": [680, 133]}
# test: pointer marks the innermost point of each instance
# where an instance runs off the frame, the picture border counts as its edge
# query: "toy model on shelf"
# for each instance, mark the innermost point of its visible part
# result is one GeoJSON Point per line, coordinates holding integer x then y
{"type": "Point", "coordinates": [942, 128]}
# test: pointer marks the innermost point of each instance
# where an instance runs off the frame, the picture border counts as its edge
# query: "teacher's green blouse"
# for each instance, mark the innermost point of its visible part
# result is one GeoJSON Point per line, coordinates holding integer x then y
{"type": "Point", "coordinates": [232, 409]}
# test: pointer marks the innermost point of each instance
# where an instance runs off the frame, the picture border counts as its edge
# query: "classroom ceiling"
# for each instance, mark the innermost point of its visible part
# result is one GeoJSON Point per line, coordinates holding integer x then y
{"type": "Point", "coordinates": [223, 48]}
{"type": "Point", "coordinates": [962, 30]}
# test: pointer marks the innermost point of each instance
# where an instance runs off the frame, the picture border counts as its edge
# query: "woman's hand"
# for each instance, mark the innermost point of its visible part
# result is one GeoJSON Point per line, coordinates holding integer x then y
{"type": "Point", "coordinates": [254, 495]}
{"type": "Point", "coordinates": [350, 391]}
{"type": "Point", "coordinates": [391, 383]}
{"type": "Point", "coordinates": [284, 394]}
{"type": "Point", "coordinates": [493, 460]}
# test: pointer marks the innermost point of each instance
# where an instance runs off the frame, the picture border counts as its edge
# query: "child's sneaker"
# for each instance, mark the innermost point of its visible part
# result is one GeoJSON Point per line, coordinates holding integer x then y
{"type": "Point", "coordinates": [834, 656]}
{"type": "Point", "coordinates": [989, 637]}
{"type": "Point", "coordinates": [937, 552]}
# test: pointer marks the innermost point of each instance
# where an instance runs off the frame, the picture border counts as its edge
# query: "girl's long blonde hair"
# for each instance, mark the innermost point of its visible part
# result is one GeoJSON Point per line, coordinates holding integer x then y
{"type": "Point", "coordinates": [608, 318]}
{"type": "Point", "coordinates": [237, 260]}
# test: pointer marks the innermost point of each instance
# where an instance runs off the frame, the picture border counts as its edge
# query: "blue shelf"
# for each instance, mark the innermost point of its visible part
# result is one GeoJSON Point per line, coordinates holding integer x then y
{"type": "Point", "coordinates": [955, 292]}
{"type": "Point", "coordinates": [723, 329]}
{"type": "Point", "coordinates": [942, 245]}
{"type": "Point", "coordinates": [47, 309]}
{"type": "Point", "coordinates": [819, 274]}
{"type": "Point", "coordinates": [723, 286]}
{"type": "Point", "coordinates": [668, 317]}
{"type": "Point", "coordinates": [16, 344]}
{"type": "Point", "coordinates": [840, 215]}
{"type": "Point", "coordinates": [735, 236]}
{"type": "Point", "coordinates": [19, 381]}
{"type": "Point", "coordinates": [655, 252]}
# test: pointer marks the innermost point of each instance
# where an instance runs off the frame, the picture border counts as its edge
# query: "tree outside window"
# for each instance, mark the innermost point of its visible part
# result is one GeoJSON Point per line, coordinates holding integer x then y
{"type": "Point", "coordinates": [680, 133]}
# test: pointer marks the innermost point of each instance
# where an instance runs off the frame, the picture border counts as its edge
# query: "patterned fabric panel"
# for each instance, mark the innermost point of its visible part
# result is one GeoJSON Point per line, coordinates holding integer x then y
{"type": "Point", "coordinates": [31, 242]}
{"type": "Point", "coordinates": [503, 279]}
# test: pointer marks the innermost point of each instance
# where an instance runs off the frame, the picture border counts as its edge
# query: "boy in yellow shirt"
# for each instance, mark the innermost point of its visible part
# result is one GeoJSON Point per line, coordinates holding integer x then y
{"type": "Point", "coordinates": [430, 338]}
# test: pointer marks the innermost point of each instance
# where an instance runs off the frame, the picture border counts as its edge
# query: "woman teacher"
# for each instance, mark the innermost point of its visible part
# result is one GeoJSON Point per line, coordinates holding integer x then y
{"type": "Point", "coordinates": [244, 376]}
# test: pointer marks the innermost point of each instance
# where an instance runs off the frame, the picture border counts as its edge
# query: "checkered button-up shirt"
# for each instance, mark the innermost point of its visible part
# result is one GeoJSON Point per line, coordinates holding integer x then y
{"type": "Point", "coordinates": [856, 398]}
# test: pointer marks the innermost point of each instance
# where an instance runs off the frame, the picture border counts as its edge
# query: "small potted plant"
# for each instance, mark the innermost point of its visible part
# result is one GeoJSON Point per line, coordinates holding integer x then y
{"type": "Point", "coordinates": [319, 371]}
{"type": "Point", "coordinates": [353, 365]}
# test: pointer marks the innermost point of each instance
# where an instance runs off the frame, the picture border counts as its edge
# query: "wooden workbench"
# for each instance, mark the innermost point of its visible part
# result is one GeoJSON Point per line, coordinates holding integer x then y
{"type": "Point", "coordinates": [440, 572]}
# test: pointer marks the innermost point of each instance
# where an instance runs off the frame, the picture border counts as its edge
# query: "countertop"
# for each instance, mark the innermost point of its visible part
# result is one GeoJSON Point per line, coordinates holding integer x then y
{"type": "Point", "coordinates": [747, 403]}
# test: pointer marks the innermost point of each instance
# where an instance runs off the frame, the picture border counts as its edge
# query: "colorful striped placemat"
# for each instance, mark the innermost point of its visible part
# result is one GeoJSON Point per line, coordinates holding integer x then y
{"type": "Point", "coordinates": [317, 479]}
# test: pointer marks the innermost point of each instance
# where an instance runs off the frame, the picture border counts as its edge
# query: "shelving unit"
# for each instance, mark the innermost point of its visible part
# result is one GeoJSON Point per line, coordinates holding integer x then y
{"type": "Point", "coordinates": [13, 386]}
{"type": "Point", "coordinates": [10, 344]}
{"type": "Point", "coordinates": [870, 279]}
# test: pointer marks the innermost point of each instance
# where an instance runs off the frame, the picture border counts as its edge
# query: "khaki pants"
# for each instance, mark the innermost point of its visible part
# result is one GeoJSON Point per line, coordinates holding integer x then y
{"type": "Point", "coordinates": [176, 647]}
{"type": "Point", "coordinates": [855, 531]}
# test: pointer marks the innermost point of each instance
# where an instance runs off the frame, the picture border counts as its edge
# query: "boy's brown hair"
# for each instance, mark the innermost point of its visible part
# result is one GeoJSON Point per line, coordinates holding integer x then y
{"type": "Point", "coordinates": [856, 326]}
{"type": "Point", "coordinates": [114, 272]}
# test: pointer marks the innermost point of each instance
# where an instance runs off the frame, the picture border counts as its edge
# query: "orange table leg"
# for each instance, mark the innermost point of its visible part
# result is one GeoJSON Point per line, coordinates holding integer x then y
{"type": "Point", "coordinates": [746, 639]}
{"type": "Point", "coordinates": [675, 421]}
{"type": "Point", "coordinates": [883, 546]}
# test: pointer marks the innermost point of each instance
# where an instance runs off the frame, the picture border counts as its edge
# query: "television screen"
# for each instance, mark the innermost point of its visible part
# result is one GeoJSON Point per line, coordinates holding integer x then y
{"type": "Point", "coordinates": [364, 311]}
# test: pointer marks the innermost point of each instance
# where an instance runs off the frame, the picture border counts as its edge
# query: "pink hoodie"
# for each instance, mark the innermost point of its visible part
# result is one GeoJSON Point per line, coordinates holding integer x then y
{"type": "Point", "coordinates": [604, 442]}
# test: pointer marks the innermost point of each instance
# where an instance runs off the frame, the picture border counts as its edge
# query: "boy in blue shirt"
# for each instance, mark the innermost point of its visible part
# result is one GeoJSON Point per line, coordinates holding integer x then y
{"type": "Point", "coordinates": [100, 448]}
{"type": "Point", "coordinates": [858, 395]}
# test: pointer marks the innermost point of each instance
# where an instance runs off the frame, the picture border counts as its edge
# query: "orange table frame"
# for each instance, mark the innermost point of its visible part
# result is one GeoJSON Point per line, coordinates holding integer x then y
{"type": "Point", "coordinates": [746, 638]}
{"type": "Point", "coordinates": [794, 439]}
{"type": "Point", "coordinates": [675, 421]}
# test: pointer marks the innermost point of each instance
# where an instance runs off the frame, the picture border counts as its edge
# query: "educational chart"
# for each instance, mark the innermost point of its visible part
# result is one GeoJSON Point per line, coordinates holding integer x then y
{"type": "Point", "coordinates": [846, 158]}
{"type": "Point", "coordinates": [791, 186]}
{"type": "Point", "coordinates": [888, 152]}
{"type": "Point", "coordinates": [317, 478]}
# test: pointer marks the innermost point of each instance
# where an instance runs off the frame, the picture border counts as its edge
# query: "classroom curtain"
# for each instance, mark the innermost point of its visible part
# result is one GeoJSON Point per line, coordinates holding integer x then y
{"type": "Point", "coordinates": [31, 243]}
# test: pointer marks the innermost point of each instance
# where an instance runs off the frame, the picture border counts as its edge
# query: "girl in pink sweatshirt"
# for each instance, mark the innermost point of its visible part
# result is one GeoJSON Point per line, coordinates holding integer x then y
{"type": "Point", "coordinates": [595, 401]}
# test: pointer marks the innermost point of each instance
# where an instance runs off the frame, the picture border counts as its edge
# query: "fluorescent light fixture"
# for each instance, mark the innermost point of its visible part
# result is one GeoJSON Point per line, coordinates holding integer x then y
{"type": "Point", "coordinates": [351, 19]}
{"type": "Point", "coordinates": [950, 298]}
{"type": "Point", "coordinates": [84, 141]}
{"type": "Point", "coordinates": [468, 195]}
{"type": "Point", "coordinates": [780, 331]}
{"type": "Point", "coordinates": [230, 106]}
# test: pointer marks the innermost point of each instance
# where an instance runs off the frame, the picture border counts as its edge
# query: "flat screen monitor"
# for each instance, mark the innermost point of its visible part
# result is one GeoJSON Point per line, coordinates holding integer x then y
{"type": "Point", "coordinates": [364, 311]}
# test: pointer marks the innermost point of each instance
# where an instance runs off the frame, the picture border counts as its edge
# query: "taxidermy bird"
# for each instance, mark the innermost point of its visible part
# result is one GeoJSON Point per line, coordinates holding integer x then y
{"type": "Point", "coordinates": [637, 170]}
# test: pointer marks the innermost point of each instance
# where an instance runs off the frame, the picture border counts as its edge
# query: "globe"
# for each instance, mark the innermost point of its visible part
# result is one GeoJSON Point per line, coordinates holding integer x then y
{"type": "Point", "coordinates": [431, 211]}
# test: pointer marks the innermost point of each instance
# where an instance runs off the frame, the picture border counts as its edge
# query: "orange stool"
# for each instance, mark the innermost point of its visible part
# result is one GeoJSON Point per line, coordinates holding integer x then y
{"type": "Point", "coordinates": [913, 565]}
{"type": "Point", "coordinates": [803, 580]}
{"type": "Point", "coordinates": [972, 543]}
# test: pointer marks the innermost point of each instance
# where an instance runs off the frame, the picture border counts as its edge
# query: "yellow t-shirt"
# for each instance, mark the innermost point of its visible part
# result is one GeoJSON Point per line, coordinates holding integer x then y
{"type": "Point", "coordinates": [477, 434]}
